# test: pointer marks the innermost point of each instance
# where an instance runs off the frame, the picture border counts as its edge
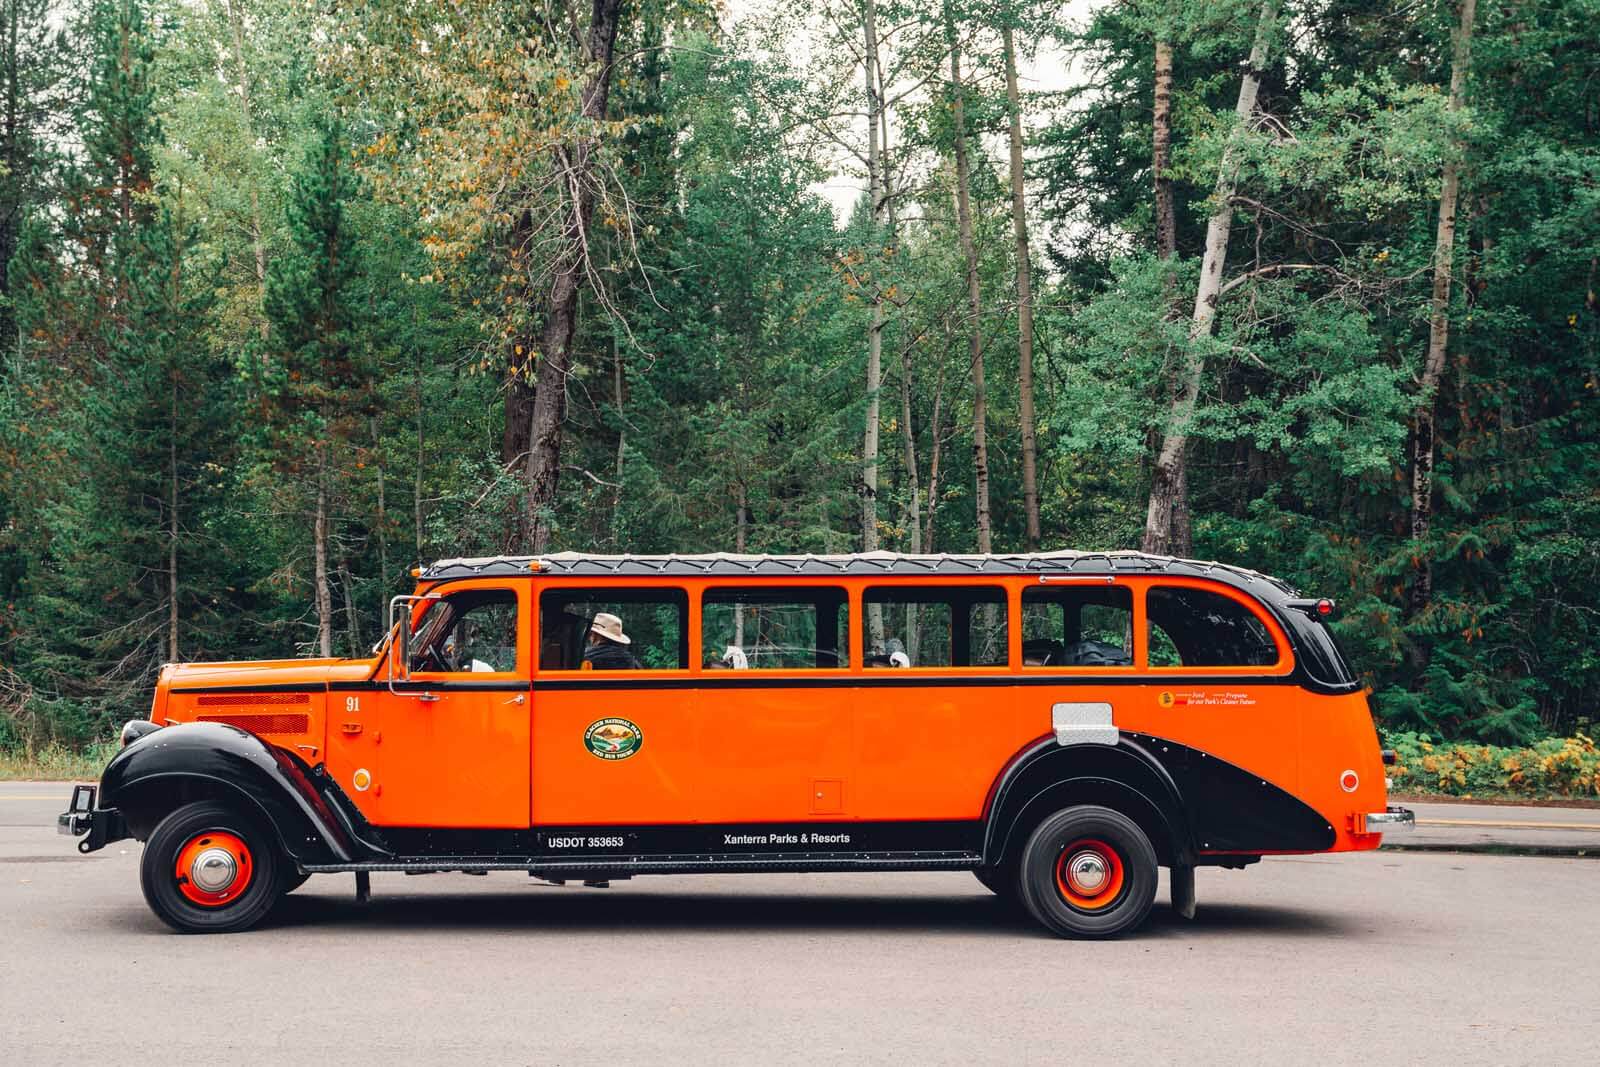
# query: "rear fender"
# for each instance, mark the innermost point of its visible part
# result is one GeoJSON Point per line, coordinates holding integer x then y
{"type": "Point", "coordinates": [1049, 776]}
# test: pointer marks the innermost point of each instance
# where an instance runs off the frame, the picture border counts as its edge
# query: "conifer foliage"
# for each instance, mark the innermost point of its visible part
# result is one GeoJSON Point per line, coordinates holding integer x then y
{"type": "Point", "coordinates": [293, 297]}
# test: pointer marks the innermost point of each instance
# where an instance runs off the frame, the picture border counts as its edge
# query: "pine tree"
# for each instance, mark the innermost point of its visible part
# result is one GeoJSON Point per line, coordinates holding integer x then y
{"type": "Point", "coordinates": [117, 391]}
{"type": "Point", "coordinates": [322, 389]}
{"type": "Point", "coordinates": [32, 72]}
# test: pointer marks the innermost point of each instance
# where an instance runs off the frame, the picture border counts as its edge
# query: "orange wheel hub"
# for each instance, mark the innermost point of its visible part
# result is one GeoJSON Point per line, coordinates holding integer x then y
{"type": "Point", "coordinates": [1089, 874]}
{"type": "Point", "coordinates": [214, 868]}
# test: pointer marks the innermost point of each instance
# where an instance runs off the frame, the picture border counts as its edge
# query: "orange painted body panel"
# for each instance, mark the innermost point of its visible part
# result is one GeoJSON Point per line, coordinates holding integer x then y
{"type": "Point", "coordinates": [853, 744]}
{"type": "Point", "coordinates": [457, 760]}
{"type": "Point", "coordinates": [934, 752]}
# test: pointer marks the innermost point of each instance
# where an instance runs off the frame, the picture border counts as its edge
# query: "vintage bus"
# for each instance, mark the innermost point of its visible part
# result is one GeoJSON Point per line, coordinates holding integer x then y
{"type": "Point", "coordinates": [1060, 724]}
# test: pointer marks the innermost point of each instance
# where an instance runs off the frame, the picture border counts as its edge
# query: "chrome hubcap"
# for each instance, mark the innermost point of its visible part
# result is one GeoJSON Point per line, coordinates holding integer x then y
{"type": "Point", "coordinates": [214, 870]}
{"type": "Point", "coordinates": [1087, 872]}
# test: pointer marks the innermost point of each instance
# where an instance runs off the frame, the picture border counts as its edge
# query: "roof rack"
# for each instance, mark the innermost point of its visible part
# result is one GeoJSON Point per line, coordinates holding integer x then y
{"type": "Point", "coordinates": [725, 564]}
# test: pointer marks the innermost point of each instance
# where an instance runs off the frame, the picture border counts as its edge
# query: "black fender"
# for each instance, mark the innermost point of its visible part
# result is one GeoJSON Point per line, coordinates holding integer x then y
{"type": "Point", "coordinates": [1047, 776]}
{"type": "Point", "coordinates": [1189, 802]}
{"type": "Point", "coordinates": [185, 761]}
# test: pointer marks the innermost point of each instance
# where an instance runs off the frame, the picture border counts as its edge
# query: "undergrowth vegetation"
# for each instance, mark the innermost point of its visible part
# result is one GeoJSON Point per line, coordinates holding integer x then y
{"type": "Point", "coordinates": [1554, 767]}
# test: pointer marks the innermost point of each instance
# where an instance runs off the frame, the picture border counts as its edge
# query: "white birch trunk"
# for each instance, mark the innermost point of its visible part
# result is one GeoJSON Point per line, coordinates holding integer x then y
{"type": "Point", "coordinates": [1423, 443]}
{"type": "Point", "coordinates": [1169, 473]}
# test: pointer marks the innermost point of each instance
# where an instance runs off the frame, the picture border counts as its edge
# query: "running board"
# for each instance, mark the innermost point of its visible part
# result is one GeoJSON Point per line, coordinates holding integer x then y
{"type": "Point", "coordinates": [941, 861]}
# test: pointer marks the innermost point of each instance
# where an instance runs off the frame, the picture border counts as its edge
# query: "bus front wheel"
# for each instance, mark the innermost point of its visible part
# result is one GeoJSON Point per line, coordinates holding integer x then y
{"type": "Point", "coordinates": [1088, 872]}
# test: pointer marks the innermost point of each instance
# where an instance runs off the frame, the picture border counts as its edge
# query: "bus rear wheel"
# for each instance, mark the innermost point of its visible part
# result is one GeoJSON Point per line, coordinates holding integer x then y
{"type": "Point", "coordinates": [1088, 872]}
{"type": "Point", "coordinates": [209, 869]}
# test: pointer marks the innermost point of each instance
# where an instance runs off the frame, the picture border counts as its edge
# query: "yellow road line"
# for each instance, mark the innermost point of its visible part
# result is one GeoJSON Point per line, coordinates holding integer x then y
{"type": "Point", "coordinates": [1510, 825]}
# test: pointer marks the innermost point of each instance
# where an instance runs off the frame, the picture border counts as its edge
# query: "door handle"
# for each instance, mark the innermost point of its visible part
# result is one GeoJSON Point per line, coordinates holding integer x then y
{"type": "Point", "coordinates": [351, 728]}
{"type": "Point", "coordinates": [520, 698]}
{"type": "Point", "coordinates": [428, 696]}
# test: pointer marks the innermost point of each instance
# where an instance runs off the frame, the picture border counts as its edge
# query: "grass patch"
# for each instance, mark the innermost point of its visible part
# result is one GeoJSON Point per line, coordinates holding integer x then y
{"type": "Point", "coordinates": [56, 763]}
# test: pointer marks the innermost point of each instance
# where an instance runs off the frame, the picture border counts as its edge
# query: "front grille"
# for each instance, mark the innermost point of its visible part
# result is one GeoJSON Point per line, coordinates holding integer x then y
{"type": "Point", "coordinates": [263, 724]}
{"type": "Point", "coordinates": [254, 700]}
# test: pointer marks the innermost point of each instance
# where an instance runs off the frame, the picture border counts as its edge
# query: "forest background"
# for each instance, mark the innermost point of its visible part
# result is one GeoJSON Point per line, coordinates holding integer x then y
{"type": "Point", "coordinates": [297, 293]}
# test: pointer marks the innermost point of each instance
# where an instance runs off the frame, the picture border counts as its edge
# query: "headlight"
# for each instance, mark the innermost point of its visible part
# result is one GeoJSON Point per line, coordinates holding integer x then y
{"type": "Point", "coordinates": [136, 729]}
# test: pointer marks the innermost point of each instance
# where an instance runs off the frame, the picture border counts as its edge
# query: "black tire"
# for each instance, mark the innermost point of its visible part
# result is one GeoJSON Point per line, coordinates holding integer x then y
{"type": "Point", "coordinates": [1105, 842]}
{"type": "Point", "coordinates": [193, 826]}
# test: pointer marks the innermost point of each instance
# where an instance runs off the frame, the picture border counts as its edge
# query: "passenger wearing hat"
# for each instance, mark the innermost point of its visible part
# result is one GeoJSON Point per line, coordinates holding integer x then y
{"type": "Point", "coordinates": [608, 646]}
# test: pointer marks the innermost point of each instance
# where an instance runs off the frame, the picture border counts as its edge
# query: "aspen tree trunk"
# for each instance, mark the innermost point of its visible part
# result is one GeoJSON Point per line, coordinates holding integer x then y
{"type": "Point", "coordinates": [740, 529]}
{"type": "Point", "coordinates": [1422, 446]}
{"type": "Point", "coordinates": [1181, 541]}
{"type": "Point", "coordinates": [907, 376]}
{"type": "Point", "coordinates": [914, 503]}
{"type": "Point", "coordinates": [937, 434]}
{"type": "Point", "coordinates": [258, 244]}
{"type": "Point", "coordinates": [909, 439]}
{"type": "Point", "coordinates": [1170, 475]}
{"type": "Point", "coordinates": [416, 477]}
{"type": "Point", "coordinates": [1161, 154]}
{"type": "Point", "coordinates": [618, 387]}
{"type": "Point", "coordinates": [969, 253]}
{"type": "Point", "coordinates": [352, 620]}
{"type": "Point", "coordinates": [383, 524]}
{"type": "Point", "coordinates": [869, 441]}
{"type": "Point", "coordinates": [575, 163]}
{"type": "Point", "coordinates": [1019, 227]}
{"type": "Point", "coordinates": [319, 537]}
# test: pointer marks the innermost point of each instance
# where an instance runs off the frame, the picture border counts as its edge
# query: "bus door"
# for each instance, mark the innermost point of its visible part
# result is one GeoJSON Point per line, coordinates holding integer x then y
{"type": "Point", "coordinates": [448, 747]}
{"type": "Point", "coordinates": [613, 723]}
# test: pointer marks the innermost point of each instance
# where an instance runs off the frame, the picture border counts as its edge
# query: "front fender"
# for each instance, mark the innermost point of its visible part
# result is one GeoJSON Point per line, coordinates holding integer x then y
{"type": "Point", "coordinates": [206, 759]}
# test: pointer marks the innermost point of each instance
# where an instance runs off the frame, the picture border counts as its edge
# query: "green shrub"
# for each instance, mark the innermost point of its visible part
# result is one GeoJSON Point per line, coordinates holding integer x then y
{"type": "Point", "coordinates": [1554, 767]}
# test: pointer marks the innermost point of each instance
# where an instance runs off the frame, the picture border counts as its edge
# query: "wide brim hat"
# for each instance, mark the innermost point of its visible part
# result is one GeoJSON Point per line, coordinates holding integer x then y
{"type": "Point", "coordinates": [609, 627]}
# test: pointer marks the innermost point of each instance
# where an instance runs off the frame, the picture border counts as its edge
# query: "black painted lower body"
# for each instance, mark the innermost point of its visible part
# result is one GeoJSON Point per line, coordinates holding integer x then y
{"type": "Point", "coordinates": [1228, 814]}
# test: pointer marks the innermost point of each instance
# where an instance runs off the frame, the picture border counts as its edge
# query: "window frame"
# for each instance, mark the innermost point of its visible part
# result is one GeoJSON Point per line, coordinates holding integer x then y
{"type": "Point", "coordinates": [858, 638]}
{"type": "Point", "coordinates": [1063, 581]}
{"type": "Point", "coordinates": [1285, 661]}
{"type": "Point", "coordinates": [663, 592]}
{"type": "Point", "coordinates": [423, 608]}
{"type": "Point", "coordinates": [800, 590]}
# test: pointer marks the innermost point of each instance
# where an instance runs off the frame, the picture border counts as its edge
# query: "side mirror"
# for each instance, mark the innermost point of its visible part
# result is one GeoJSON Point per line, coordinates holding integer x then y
{"type": "Point", "coordinates": [402, 638]}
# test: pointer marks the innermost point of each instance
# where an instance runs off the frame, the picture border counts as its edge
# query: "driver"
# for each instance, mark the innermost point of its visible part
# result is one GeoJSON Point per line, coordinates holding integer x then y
{"type": "Point", "coordinates": [608, 646]}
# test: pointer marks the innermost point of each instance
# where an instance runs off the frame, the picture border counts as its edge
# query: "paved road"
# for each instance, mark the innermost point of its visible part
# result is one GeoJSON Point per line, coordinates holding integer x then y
{"type": "Point", "coordinates": [1502, 826]}
{"type": "Point", "coordinates": [1390, 957]}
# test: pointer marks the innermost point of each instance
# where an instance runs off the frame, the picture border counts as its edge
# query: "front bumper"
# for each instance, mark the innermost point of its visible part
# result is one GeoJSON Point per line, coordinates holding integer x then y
{"type": "Point", "coordinates": [1389, 821]}
{"type": "Point", "coordinates": [97, 826]}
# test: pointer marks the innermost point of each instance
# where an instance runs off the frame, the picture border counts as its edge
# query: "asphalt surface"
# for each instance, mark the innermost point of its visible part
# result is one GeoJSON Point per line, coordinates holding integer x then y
{"type": "Point", "coordinates": [1502, 827]}
{"type": "Point", "coordinates": [1392, 957]}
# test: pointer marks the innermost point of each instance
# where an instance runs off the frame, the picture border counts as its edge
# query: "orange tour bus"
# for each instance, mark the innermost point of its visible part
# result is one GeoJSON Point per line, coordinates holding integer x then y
{"type": "Point", "coordinates": [1060, 724]}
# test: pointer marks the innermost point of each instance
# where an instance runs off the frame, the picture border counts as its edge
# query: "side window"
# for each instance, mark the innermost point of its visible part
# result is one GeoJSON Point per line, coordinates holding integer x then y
{"type": "Point", "coordinates": [613, 629]}
{"type": "Point", "coordinates": [934, 626]}
{"type": "Point", "coordinates": [1198, 628]}
{"type": "Point", "coordinates": [774, 629]}
{"type": "Point", "coordinates": [471, 633]}
{"type": "Point", "coordinates": [1077, 625]}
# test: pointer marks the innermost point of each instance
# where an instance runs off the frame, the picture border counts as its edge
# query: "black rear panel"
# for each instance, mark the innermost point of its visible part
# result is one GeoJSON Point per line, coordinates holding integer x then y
{"type": "Point", "coordinates": [1317, 651]}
